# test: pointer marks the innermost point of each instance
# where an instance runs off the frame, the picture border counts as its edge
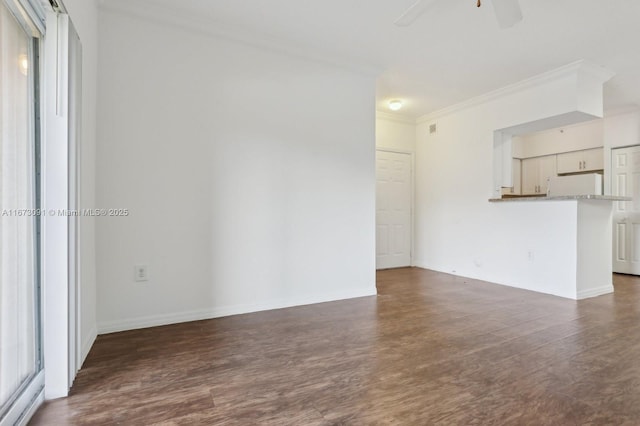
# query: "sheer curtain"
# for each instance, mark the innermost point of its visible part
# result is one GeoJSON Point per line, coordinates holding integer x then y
{"type": "Point", "coordinates": [18, 294]}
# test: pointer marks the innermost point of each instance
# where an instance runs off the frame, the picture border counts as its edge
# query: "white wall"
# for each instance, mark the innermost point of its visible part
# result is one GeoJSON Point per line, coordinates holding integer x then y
{"type": "Point", "coordinates": [620, 130]}
{"type": "Point", "coordinates": [395, 132]}
{"type": "Point", "coordinates": [249, 176]}
{"type": "Point", "coordinates": [457, 230]}
{"type": "Point", "coordinates": [84, 15]}
{"type": "Point", "coordinates": [594, 257]}
{"type": "Point", "coordinates": [565, 139]}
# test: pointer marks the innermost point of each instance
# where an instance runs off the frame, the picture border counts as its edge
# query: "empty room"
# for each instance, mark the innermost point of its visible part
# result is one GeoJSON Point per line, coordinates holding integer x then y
{"type": "Point", "coordinates": [383, 212]}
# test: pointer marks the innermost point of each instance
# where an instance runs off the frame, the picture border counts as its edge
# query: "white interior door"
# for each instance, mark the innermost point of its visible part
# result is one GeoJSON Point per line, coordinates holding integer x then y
{"type": "Point", "coordinates": [625, 172]}
{"type": "Point", "coordinates": [393, 209]}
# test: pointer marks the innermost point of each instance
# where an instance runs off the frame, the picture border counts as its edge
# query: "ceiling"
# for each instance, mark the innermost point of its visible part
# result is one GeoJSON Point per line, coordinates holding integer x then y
{"type": "Point", "coordinates": [453, 52]}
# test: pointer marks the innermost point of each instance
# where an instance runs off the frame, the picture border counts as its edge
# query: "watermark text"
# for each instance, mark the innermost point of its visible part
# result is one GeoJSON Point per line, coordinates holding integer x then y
{"type": "Point", "coordinates": [64, 212]}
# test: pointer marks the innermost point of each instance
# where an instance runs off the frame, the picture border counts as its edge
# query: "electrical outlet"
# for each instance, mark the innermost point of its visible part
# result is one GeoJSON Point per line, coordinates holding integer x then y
{"type": "Point", "coordinates": [530, 255]}
{"type": "Point", "coordinates": [141, 273]}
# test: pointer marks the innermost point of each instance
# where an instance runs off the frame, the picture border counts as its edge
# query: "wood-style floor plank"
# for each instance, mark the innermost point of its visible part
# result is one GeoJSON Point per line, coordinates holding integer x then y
{"type": "Point", "coordinates": [431, 348]}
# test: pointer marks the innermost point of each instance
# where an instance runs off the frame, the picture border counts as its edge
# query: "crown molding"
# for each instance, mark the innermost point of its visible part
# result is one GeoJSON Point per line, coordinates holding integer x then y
{"type": "Point", "coordinates": [398, 118]}
{"type": "Point", "coordinates": [176, 18]}
{"type": "Point", "coordinates": [580, 67]}
{"type": "Point", "coordinates": [600, 74]}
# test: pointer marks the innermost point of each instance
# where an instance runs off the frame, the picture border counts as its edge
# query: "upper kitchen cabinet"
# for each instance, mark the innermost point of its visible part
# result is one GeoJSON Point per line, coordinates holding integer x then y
{"type": "Point", "coordinates": [536, 173]}
{"type": "Point", "coordinates": [587, 160]}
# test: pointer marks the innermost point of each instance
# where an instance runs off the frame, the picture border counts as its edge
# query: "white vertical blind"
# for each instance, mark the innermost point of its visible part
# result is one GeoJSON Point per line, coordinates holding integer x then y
{"type": "Point", "coordinates": [18, 303]}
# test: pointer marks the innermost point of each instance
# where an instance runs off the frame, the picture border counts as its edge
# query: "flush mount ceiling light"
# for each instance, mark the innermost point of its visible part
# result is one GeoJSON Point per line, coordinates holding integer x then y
{"type": "Point", "coordinates": [395, 105]}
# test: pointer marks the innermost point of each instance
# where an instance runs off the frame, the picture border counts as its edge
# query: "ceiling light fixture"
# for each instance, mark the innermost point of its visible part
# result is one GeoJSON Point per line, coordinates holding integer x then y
{"type": "Point", "coordinates": [395, 105]}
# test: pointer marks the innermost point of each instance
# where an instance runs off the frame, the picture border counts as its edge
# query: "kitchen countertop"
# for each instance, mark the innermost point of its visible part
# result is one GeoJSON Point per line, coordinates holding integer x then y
{"type": "Point", "coordinates": [562, 198]}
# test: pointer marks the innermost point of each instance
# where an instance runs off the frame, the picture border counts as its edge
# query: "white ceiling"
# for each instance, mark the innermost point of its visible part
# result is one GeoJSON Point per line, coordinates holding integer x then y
{"type": "Point", "coordinates": [453, 52]}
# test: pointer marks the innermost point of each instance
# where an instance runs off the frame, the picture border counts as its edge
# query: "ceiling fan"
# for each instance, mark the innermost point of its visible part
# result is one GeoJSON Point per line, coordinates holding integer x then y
{"type": "Point", "coordinates": [507, 12]}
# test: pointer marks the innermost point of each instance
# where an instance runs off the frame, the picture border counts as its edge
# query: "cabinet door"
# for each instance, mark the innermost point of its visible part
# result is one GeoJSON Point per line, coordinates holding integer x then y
{"type": "Point", "coordinates": [529, 176]}
{"type": "Point", "coordinates": [586, 160]}
{"type": "Point", "coordinates": [570, 162]}
{"type": "Point", "coordinates": [547, 168]}
{"type": "Point", "coordinates": [593, 159]}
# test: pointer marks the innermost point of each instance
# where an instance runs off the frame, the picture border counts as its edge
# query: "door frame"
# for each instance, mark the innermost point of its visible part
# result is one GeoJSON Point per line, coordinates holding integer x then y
{"type": "Point", "coordinates": [412, 183]}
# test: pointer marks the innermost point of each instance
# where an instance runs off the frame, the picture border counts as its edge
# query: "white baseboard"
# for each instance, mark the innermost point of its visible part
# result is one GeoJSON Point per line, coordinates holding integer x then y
{"type": "Point", "coordinates": [424, 265]}
{"type": "Point", "coordinates": [421, 264]}
{"type": "Point", "coordinates": [87, 343]}
{"type": "Point", "coordinates": [572, 296]}
{"type": "Point", "coordinates": [106, 327]}
{"type": "Point", "coordinates": [593, 292]}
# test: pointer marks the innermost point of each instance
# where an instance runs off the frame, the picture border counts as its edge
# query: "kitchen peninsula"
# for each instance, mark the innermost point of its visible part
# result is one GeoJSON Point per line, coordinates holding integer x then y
{"type": "Point", "coordinates": [570, 242]}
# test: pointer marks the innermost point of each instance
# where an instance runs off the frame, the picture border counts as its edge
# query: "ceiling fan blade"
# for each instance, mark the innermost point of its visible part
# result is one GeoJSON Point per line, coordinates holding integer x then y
{"type": "Point", "coordinates": [508, 12]}
{"type": "Point", "coordinates": [414, 11]}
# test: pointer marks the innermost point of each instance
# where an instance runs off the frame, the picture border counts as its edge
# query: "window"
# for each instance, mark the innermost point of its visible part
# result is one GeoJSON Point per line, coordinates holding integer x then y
{"type": "Point", "coordinates": [20, 341]}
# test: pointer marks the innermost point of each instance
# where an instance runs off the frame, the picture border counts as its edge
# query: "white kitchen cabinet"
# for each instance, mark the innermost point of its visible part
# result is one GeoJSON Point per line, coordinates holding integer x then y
{"type": "Point", "coordinates": [548, 168]}
{"type": "Point", "coordinates": [587, 160]}
{"type": "Point", "coordinates": [529, 176]}
{"type": "Point", "coordinates": [516, 189]}
{"type": "Point", "coordinates": [593, 159]}
{"type": "Point", "coordinates": [536, 173]}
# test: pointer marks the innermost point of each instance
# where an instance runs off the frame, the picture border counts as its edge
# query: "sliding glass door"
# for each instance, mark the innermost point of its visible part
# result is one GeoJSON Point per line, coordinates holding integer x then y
{"type": "Point", "coordinates": [20, 342]}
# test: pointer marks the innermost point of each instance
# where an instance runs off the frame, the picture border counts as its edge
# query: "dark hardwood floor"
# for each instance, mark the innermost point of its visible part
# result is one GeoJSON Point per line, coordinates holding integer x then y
{"type": "Point", "coordinates": [430, 349]}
